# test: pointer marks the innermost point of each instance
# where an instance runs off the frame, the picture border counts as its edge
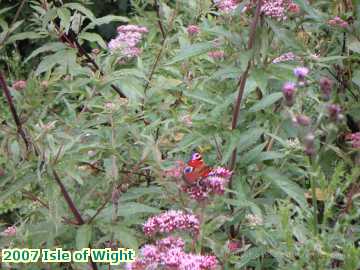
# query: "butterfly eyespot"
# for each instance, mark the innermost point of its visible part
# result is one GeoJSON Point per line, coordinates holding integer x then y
{"type": "Point", "coordinates": [196, 156]}
{"type": "Point", "coordinates": [188, 169]}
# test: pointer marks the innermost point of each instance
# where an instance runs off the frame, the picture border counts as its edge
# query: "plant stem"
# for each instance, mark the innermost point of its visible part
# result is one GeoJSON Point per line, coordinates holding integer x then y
{"type": "Point", "coordinates": [241, 87]}
{"type": "Point", "coordinates": [314, 202]}
{"type": "Point", "coordinates": [7, 94]}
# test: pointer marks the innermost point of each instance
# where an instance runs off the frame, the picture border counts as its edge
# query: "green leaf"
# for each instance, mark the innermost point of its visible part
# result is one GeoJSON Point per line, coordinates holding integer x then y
{"type": "Point", "coordinates": [126, 237]}
{"type": "Point", "coordinates": [286, 36]}
{"type": "Point", "coordinates": [75, 6]}
{"type": "Point", "coordinates": [266, 102]}
{"type": "Point", "coordinates": [105, 20]}
{"type": "Point", "coordinates": [356, 78]}
{"type": "Point", "coordinates": [289, 187]}
{"type": "Point", "coordinates": [65, 16]}
{"type": "Point", "coordinates": [354, 45]}
{"type": "Point", "coordinates": [93, 37]}
{"type": "Point", "coordinates": [191, 51]}
{"type": "Point", "coordinates": [83, 236]}
{"type": "Point", "coordinates": [249, 255]}
{"type": "Point", "coordinates": [24, 35]}
{"type": "Point", "coordinates": [66, 58]}
{"type": "Point", "coordinates": [132, 208]}
{"type": "Point", "coordinates": [201, 95]}
{"type": "Point", "coordinates": [313, 13]}
{"type": "Point", "coordinates": [18, 184]}
{"type": "Point", "coordinates": [49, 47]}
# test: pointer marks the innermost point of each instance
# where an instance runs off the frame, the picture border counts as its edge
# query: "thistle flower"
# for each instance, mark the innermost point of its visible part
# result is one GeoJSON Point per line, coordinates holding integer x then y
{"type": "Point", "coordinates": [303, 120]}
{"type": "Point", "coordinates": [334, 111]}
{"type": "Point", "coordinates": [233, 245]}
{"type": "Point", "coordinates": [309, 142]}
{"type": "Point", "coordinates": [301, 72]}
{"type": "Point", "coordinates": [19, 85]}
{"type": "Point", "coordinates": [170, 221]}
{"type": "Point", "coordinates": [277, 9]}
{"type": "Point", "coordinates": [326, 86]}
{"type": "Point", "coordinates": [289, 90]}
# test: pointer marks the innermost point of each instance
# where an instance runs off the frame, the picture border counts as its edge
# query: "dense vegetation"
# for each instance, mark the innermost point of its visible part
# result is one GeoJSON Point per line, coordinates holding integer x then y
{"type": "Point", "coordinates": [104, 105]}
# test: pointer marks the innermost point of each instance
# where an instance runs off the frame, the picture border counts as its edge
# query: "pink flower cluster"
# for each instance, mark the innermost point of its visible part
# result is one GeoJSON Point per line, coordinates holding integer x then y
{"type": "Point", "coordinates": [354, 138]}
{"type": "Point", "coordinates": [214, 184]}
{"type": "Point", "coordinates": [129, 36]}
{"type": "Point", "coordinates": [226, 6]}
{"type": "Point", "coordinates": [193, 30]}
{"type": "Point", "coordinates": [170, 221]}
{"type": "Point", "coordinates": [278, 9]}
{"type": "Point", "coordinates": [10, 231]}
{"type": "Point", "coordinates": [169, 253]}
{"type": "Point", "coordinates": [19, 85]}
{"type": "Point", "coordinates": [216, 54]}
{"type": "Point", "coordinates": [290, 56]}
{"type": "Point", "coordinates": [337, 21]}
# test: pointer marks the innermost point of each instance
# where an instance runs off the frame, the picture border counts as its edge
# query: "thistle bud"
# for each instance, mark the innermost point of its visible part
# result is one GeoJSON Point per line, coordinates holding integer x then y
{"type": "Point", "coordinates": [303, 120]}
{"type": "Point", "coordinates": [289, 90]}
{"type": "Point", "coordinates": [326, 86]}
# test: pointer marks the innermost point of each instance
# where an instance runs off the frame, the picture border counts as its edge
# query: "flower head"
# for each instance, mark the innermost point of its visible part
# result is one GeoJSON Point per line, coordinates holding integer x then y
{"type": "Point", "coordinates": [170, 221]}
{"type": "Point", "coordinates": [193, 30]}
{"type": "Point", "coordinates": [301, 72]}
{"type": "Point", "coordinates": [19, 85]}
{"type": "Point", "coordinates": [226, 6]}
{"type": "Point", "coordinates": [289, 90]}
{"type": "Point", "coordinates": [216, 55]}
{"type": "Point", "coordinates": [303, 120]}
{"type": "Point", "coordinates": [354, 138]}
{"type": "Point", "coordinates": [334, 111]}
{"type": "Point", "coordinates": [326, 86]}
{"type": "Point", "coordinates": [337, 21]}
{"type": "Point", "coordinates": [10, 231]}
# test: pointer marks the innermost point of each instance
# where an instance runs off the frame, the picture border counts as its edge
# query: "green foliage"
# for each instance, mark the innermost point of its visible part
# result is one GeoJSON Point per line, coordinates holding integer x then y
{"type": "Point", "coordinates": [110, 152]}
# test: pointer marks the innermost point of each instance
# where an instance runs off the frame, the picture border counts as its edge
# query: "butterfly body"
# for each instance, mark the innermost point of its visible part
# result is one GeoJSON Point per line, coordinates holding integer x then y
{"type": "Point", "coordinates": [196, 169]}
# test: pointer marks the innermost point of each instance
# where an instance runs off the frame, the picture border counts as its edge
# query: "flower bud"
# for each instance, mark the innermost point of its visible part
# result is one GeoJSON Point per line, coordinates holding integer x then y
{"type": "Point", "coordinates": [309, 143]}
{"type": "Point", "coordinates": [326, 86]}
{"type": "Point", "coordinates": [289, 90]}
{"type": "Point", "coordinates": [303, 120]}
{"type": "Point", "coordinates": [334, 111]}
{"type": "Point", "coordinates": [19, 85]}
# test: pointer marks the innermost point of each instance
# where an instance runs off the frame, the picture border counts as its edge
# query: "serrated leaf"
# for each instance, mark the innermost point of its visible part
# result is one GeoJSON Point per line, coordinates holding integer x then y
{"type": "Point", "coordinates": [201, 95]}
{"type": "Point", "coordinates": [105, 20]}
{"type": "Point", "coordinates": [17, 185]}
{"type": "Point", "coordinates": [126, 237]}
{"type": "Point", "coordinates": [191, 51]}
{"type": "Point", "coordinates": [266, 102]}
{"type": "Point", "coordinates": [286, 185]}
{"type": "Point", "coordinates": [83, 236]}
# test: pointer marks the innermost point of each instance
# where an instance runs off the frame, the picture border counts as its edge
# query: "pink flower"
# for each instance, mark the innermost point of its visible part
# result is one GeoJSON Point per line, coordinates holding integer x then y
{"type": "Point", "coordinates": [170, 221]}
{"type": "Point", "coordinates": [326, 86]}
{"type": "Point", "coordinates": [19, 85]}
{"type": "Point", "coordinates": [289, 90]}
{"type": "Point", "coordinates": [337, 21]}
{"type": "Point", "coordinates": [10, 231]}
{"type": "Point", "coordinates": [294, 8]}
{"type": "Point", "coordinates": [226, 6]}
{"type": "Point", "coordinates": [334, 111]}
{"type": "Point", "coordinates": [129, 36]}
{"type": "Point", "coordinates": [301, 72]}
{"type": "Point", "coordinates": [354, 138]}
{"type": "Point", "coordinates": [193, 30]}
{"type": "Point", "coordinates": [234, 245]}
{"type": "Point", "coordinates": [216, 54]}
{"type": "Point", "coordinates": [303, 120]}
{"type": "Point", "coordinates": [290, 56]}
{"type": "Point", "coordinates": [171, 257]}
{"type": "Point", "coordinates": [214, 184]}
